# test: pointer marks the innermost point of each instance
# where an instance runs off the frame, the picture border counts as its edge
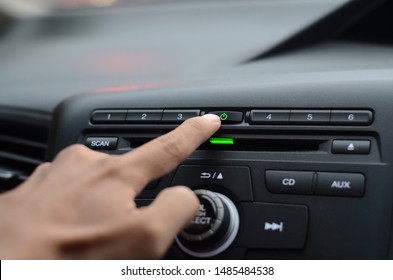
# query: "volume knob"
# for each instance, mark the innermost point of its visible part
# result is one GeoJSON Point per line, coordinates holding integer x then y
{"type": "Point", "coordinates": [213, 229]}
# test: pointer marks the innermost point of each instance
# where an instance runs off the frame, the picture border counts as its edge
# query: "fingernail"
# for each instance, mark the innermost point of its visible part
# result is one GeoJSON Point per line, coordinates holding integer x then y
{"type": "Point", "coordinates": [212, 117]}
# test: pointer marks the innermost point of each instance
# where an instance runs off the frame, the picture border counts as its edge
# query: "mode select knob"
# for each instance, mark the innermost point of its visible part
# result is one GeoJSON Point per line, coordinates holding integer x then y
{"type": "Point", "coordinates": [213, 229]}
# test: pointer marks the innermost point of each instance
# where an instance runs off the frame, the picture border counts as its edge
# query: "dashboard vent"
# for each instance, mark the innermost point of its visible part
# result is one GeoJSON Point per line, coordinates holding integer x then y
{"type": "Point", "coordinates": [22, 149]}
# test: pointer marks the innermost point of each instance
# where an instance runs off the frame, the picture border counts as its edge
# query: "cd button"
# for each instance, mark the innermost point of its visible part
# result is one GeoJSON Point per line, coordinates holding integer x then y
{"type": "Point", "coordinates": [289, 182]}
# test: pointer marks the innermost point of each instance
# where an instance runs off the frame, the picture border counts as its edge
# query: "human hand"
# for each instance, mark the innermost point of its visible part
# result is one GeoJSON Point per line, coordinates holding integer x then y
{"type": "Point", "coordinates": [81, 206]}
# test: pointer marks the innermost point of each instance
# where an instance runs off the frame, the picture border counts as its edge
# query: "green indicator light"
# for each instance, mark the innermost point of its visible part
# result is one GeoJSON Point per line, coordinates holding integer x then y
{"type": "Point", "coordinates": [221, 141]}
{"type": "Point", "coordinates": [224, 116]}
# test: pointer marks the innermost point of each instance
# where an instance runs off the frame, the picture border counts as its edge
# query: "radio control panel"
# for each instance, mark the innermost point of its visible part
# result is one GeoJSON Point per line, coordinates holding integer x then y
{"type": "Point", "coordinates": [307, 179]}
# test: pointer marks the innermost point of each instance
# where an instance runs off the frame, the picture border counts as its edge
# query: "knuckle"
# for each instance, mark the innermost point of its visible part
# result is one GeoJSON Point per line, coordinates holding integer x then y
{"type": "Point", "coordinates": [76, 151]}
{"type": "Point", "coordinates": [42, 167]}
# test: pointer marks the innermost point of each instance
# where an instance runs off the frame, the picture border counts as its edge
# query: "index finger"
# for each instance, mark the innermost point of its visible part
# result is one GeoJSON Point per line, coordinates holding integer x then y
{"type": "Point", "coordinates": [161, 155]}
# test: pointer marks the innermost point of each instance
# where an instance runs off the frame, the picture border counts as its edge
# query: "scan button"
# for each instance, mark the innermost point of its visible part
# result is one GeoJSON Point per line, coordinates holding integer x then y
{"type": "Point", "coordinates": [102, 143]}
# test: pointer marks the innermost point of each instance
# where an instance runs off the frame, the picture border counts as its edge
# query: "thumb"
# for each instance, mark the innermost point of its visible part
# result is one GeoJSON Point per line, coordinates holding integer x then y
{"type": "Point", "coordinates": [172, 210]}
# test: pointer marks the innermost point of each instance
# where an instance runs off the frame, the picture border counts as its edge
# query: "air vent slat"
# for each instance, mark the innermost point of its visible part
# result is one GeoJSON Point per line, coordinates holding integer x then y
{"type": "Point", "coordinates": [23, 137]}
{"type": "Point", "coordinates": [20, 141]}
{"type": "Point", "coordinates": [22, 159]}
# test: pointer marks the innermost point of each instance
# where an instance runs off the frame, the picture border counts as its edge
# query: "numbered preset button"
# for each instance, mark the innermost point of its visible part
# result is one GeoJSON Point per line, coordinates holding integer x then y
{"type": "Point", "coordinates": [269, 117]}
{"type": "Point", "coordinates": [108, 116]}
{"type": "Point", "coordinates": [144, 116]}
{"type": "Point", "coordinates": [310, 117]}
{"type": "Point", "coordinates": [351, 117]}
{"type": "Point", "coordinates": [178, 116]}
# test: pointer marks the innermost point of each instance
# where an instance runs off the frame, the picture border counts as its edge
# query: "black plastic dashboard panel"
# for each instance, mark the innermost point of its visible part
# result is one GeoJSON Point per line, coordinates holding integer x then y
{"type": "Point", "coordinates": [342, 207]}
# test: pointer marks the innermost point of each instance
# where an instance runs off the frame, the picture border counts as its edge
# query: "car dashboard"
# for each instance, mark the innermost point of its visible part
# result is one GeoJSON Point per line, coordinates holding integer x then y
{"type": "Point", "coordinates": [301, 167]}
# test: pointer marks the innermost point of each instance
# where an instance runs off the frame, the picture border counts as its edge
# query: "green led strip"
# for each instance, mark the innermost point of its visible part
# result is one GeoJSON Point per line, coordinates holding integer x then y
{"type": "Point", "coordinates": [221, 141]}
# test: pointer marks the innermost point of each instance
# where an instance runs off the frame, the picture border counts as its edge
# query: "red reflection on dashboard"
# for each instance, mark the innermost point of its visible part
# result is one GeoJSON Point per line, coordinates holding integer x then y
{"type": "Point", "coordinates": [117, 63]}
{"type": "Point", "coordinates": [124, 88]}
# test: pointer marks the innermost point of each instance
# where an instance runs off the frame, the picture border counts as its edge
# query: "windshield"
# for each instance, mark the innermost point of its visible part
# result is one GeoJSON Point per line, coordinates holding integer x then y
{"type": "Point", "coordinates": [27, 8]}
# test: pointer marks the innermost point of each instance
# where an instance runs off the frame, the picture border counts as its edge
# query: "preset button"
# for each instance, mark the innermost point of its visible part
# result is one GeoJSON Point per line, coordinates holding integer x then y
{"type": "Point", "coordinates": [109, 116]}
{"type": "Point", "coordinates": [178, 116]}
{"type": "Point", "coordinates": [269, 116]}
{"type": "Point", "coordinates": [310, 117]}
{"type": "Point", "coordinates": [144, 116]}
{"type": "Point", "coordinates": [351, 117]}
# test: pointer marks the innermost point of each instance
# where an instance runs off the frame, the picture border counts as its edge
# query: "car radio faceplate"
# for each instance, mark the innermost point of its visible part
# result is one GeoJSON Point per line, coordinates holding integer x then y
{"type": "Point", "coordinates": [307, 175]}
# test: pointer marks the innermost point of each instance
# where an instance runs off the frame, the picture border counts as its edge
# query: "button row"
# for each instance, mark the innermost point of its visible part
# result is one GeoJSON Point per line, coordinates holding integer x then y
{"type": "Point", "coordinates": [333, 117]}
{"type": "Point", "coordinates": [326, 183]}
{"type": "Point", "coordinates": [142, 116]}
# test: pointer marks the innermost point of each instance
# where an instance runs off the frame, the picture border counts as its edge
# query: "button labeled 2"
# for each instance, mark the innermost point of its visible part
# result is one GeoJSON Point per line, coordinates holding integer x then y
{"type": "Point", "coordinates": [144, 116]}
